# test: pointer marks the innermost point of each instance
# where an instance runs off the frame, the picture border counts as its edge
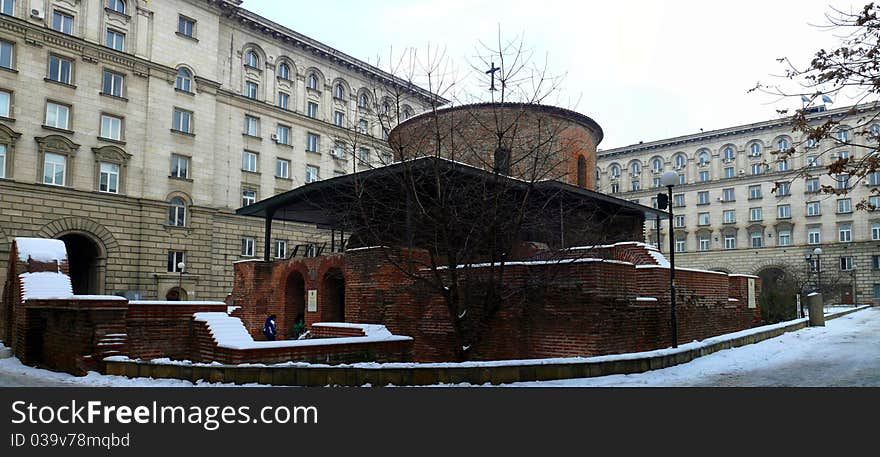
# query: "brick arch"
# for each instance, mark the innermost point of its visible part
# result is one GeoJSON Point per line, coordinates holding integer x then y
{"type": "Point", "coordinates": [769, 264]}
{"type": "Point", "coordinates": [106, 240]}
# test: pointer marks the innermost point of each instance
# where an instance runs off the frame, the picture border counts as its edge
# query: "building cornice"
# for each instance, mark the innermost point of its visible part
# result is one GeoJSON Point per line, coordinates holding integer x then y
{"type": "Point", "coordinates": [733, 131]}
{"type": "Point", "coordinates": [232, 10]}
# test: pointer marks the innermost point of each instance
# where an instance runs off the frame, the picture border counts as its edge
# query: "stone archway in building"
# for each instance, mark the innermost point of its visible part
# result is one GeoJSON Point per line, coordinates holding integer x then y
{"type": "Point", "coordinates": [176, 294]}
{"type": "Point", "coordinates": [81, 231]}
{"type": "Point", "coordinates": [333, 295]}
{"type": "Point", "coordinates": [294, 305]}
{"type": "Point", "coordinates": [779, 289]}
{"type": "Point", "coordinates": [86, 261]}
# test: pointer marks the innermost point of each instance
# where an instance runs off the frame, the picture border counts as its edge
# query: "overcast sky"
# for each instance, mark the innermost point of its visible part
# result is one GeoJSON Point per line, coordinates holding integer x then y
{"type": "Point", "coordinates": [644, 70]}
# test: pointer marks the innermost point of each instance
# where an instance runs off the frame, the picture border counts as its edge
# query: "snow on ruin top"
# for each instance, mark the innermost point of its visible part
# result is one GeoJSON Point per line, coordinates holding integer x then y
{"type": "Point", "coordinates": [41, 249]}
{"type": "Point", "coordinates": [45, 284]}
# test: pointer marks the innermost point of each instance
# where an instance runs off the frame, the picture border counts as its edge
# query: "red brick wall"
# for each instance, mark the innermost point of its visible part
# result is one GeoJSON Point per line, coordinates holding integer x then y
{"type": "Point", "coordinates": [163, 330]}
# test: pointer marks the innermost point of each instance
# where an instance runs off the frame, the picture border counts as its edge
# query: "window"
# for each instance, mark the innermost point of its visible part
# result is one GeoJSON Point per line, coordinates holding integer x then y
{"type": "Point", "coordinates": [282, 168]}
{"type": "Point", "coordinates": [248, 197]}
{"type": "Point", "coordinates": [636, 186]}
{"type": "Point", "coordinates": [656, 182]}
{"type": "Point", "coordinates": [755, 192]}
{"type": "Point", "coordinates": [184, 80]}
{"type": "Point", "coordinates": [814, 209]}
{"type": "Point", "coordinates": [111, 127]}
{"type": "Point", "coordinates": [783, 237]}
{"type": "Point", "coordinates": [875, 231]}
{"type": "Point", "coordinates": [757, 168]}
{"type": "Point", "coordinates": [656, 164]}
{"type": "Point", "coordinates": [782, 145]}
{"type": "Point", "coordinates": [247, 246]}
{"type": "Point", "coordinates": [364, 156]}
{"type": "Point", "coordinates": [283, 100]}
{"type": "Point", "coordinates": [728, 195]}
{"type": "Point", "coordinates": [754, 150]}
{"type": "Point", "coordinates": [703, 157]}
{"type": "Point", "coordinates": [729, 216]}
{"type": "Point", "coordinates": [280, 249]}
{"type": "Point", "coordinates": [6, 7]}
{"type": "Point", "coordinates": [112, 83]}
{"type": "Point", "coordinates": [186, 26]}
{"type": "Point", "coordinates": [783, 189]}
{"type": "Point", "coordinates": [756, 214]}
{"type": "Point", "coordinates": [251, 125]}
{"type": "Point", "coordinates": [250, 89]}
{"type": "Point", "coordinates": [312, 109]}
{"type": "Point", "coordinates": [311, 173]}
{"type": "Point", "coordinates": [843, 135]}
{"type": "Point", "coordinates": [57, 115]}
{"type": "Point", "coordinates": [704, 176]}
{"type": "Point", "coordinates": [338, 118]}
{"type": "Point", "coordinates": [678, 200]}
{"type": "Point", "coordinates": [846, 263]}
{"type": "Point", "coordinates": [177, 212]}
{"type": "Point", "coordinates": [680, 161]}
{"type": "Point", "coordinates": [312, 82]}
{"type": "Point", "coordinates": [115, 40]}
{"type": "Point", "coordinates": [874, 178]}
{"type": "Point", "coordinates": [729, 172]}
{"type": "Point", "coordinates": [282, 134]}
{"type": "Point", "coordinates": [680, 244]}
{"type": "Point", "coordinates": [60, 69]}
{"type": "Point", "coordinates": [339, 150]}
{"type": "Point", "coordinates": [636, 168]}
{"type": "Point", "coordinates": [54, 169]}
{"type": "Point", "coordinates": [5, 103]}
{"type": "Point", "coordinates": [116, 5]}
{"type": "Point", "coordinates": [844, 233]}
{"type": "Point", "coordinates": [179, 166]}
{"type": "Point", "coordinates": [844, 205]}
{"type": "Point", "coordinates": [339, 92]}
{"type": "Point", "coordinates": [284, 71]}
{"type": "Point", "coordinates": [61, 22]}
{"type": "Point", "coordinates": [812, 185]}
{"type": "Point", "coordinates": [2, 160]}
{"type": "Point", "coordinates": [175, 258]}
{"type": "Point", "coordinates": [251, 59]}
{"type": "Point", "coordinates": [312, 142]}
{"type": "Point", "coordinates": [108, 180]}
{"type": "Point", "coordinates": [615, 188]}
{"type": "Point", "coordinates": [615, 171]}
{"type": "Point", "coordinates": [729, 154]}
{"type": "Point", "coordinates": [654, 203]}
{"type": "Point", "coordinates": [876, 290]}
{"type": "Point", "coordinates": [703, 197]}
{"type": "Point", "coordinates": [729, 241]}
{"type": "Point", "coordinates": [249, 161]}
{"type": "Point", "coordinates": [703, 219]}
{"type": "Point", "coordinates": [783, 165]}
{"type": "Point", "coordinates": [842, 181]}
{"type": "Point", "coordinates": [6, 54]}
{"type": "Point", "coordinates": [182, 121]}
{"type": "Point", "coordinates": [783, 212]}
{"type": "Point", "coordinates": [814, 235]}
{"type": "Point", "coordinates": [874, 202]}
{"type": "Point", "coordinates": [362, 126]}
{"type": "Point", "coordinates": [757, 239]}
{"type": "Point", "coordinates": [813, 161]}
{"type": "Point", "coordinates": [812, 143]}
{"type": "Point", "coordinates": [682, 179]}
{"type": "Point", "coordinates": [704, 242]}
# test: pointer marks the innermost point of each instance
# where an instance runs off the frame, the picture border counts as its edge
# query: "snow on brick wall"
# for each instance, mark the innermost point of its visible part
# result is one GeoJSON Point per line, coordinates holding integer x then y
{"type": "Point", "coordinates": [41, 249]}
{"type": "Point", "coordinates": [45, 284]}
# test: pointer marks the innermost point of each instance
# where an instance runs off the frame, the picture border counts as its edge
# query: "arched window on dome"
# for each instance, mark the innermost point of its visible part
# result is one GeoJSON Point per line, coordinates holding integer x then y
{"type": "Point", "coordinates": [184, 80]}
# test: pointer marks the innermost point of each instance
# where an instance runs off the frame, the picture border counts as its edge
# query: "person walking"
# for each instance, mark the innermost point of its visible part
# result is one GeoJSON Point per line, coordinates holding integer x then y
{"type": "Point", "coordinates": [269, 328]}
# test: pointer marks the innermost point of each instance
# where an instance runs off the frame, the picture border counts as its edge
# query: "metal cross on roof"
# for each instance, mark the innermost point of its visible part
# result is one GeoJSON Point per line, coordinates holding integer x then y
{"type": "Point", "coordinates": [491, 71]}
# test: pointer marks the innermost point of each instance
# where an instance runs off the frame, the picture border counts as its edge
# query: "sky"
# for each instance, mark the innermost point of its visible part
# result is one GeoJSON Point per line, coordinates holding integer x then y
{"type": "Point", "coordinates": [644, 70]}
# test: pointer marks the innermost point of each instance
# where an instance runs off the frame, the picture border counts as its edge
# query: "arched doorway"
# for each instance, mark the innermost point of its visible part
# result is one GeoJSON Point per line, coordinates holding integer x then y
{"type": "Point", "coordinates": [294, 306]}
{"type": "Point", "coordinates": [779, 289]}
{"type": "Point", "coordinates": [334, 296]}
{"type": "Point", "coordinates": [176, 294]}
{"type": "Point", "coordinates": [85, 260]}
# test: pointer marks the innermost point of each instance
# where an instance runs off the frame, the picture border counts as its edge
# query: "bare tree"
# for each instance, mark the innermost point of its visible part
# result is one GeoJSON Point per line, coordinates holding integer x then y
{"type": "Point", "coordinates": [472, 185]}
{"type": "Point", "coordinates": [851, 70]}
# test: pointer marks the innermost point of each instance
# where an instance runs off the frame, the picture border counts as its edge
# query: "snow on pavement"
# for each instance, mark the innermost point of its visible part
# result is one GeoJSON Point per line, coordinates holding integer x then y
{"type": "Point", "coordinates": [844, 353]}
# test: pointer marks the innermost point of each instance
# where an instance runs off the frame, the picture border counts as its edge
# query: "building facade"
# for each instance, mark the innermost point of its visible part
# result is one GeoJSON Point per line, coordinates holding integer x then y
{"type": "Point", "coordinates": [132, 130]}
{"type": "Point", "coordinates": [739, 208]}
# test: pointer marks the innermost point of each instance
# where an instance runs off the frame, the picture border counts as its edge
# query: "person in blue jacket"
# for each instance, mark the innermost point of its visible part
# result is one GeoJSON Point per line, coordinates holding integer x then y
{"type": "Point", "coordinates": [269, 329]}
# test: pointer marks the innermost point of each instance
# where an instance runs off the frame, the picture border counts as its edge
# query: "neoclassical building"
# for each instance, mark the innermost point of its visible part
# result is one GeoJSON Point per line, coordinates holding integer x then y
{"type": "Point", "coordinates": [133, 129]}
{"type": "Point", "coordinates": [738, 208]}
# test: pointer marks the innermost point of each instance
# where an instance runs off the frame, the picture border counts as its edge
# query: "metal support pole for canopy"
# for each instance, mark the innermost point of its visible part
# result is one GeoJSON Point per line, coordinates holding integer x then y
{"type": "Point", "coordinates": [267, 251]}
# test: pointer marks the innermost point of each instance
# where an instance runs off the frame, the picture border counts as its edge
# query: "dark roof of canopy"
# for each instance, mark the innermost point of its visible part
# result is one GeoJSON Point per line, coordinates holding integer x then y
{"type": "Point", "coordinates": [303, 204]}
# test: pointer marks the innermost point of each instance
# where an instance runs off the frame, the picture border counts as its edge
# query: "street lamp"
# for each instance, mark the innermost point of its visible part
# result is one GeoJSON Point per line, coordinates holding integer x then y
{"type": "Point", "coordinates": [818, 252]}
{"type": "Point", "coordinates": [670, 179]}
{"type": "Point", "coordinates": [180, 267]}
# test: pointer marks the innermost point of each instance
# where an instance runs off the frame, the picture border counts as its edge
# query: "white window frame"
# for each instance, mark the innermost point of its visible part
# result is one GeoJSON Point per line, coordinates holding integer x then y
{"type": "Point", "coordinates": [756, 214]}
{"type": "Point", "coordinates": [109, 177]}
{"type": "Point", "coordinates": [312, 173]}
{"type": "Point", "coordinates": [814, 235]}
{"type": "Point", "coordinates": [783, 238]}
{"type": "Point", "coordinates": [175, 258]}
{"type": "Point", "coordinates": [186, 26]}
{"type": "Point", "coordinates": [282, 134]}
{"type": "Point", "coordinates": [178, 171]}
{"type": "Point", "coordinates": [248, 244]}
{"type": "Point", "coordinates": [251, 125]}
{"type": "Point", "coordinates": [62, 21]}
{"type": "Point", "coordinates": [182, 120]}
{"type": "Point", "coordinates": [114, 39]}
{"type": "Point", "coordinates": [312, 142]}
{"type": "Point", "coordinates": [59, 111]}
{"type": "Point", "coordinates": [251, 89]}
{"type": "Point", "coordinates": [283, 100]}
{"type": "Point", "coordinates": [783, 211]}
{"type": "Point", "coordinates": [111, 127]}
{"type": "Point", "coordinates": [249, 161]}
{"type": "Point", "coordinates": [312, 110]}
{"type": "Point", "coordinates": [177, 212]}
{"type": "Point", "coordinates": [116, 83]}
{"type": "Point", "coordinates": [729, 241]}
{"type": "Point", "coordinates": [845, 233]}
{"type": "Point", "coordinates": [814, 209]}
{"type": "Point", "coordinates": [52, 164]}
{"type": "Point", "coordinates": [282, 168]}
{"type": "Point", "coordinates": [5, 103]}
{"type": "Point", "coordinates": [248, 197]}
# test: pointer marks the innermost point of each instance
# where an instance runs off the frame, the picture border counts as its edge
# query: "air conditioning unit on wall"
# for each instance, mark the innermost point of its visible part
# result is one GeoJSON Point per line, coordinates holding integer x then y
{"type": "Point", "coordinates": [36, 13]}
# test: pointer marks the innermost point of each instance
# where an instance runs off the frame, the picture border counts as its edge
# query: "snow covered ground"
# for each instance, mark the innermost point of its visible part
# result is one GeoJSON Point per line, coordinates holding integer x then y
{"type": "Point", "coordinates": [846, 352]}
